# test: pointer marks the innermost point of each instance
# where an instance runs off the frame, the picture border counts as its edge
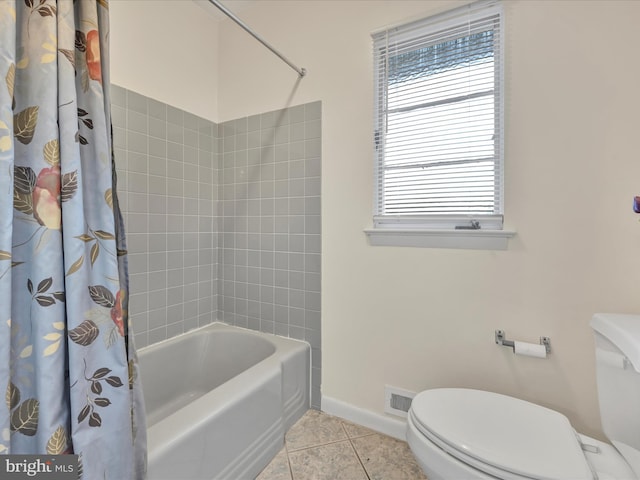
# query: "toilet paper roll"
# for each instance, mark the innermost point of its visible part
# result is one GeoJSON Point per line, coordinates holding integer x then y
{"type": "Point", "coordinates": [529, 349]}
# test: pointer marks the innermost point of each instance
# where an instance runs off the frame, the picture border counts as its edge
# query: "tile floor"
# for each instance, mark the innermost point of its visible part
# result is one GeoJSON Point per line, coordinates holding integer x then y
{"type": "Point", "coordinates": [323, 447]}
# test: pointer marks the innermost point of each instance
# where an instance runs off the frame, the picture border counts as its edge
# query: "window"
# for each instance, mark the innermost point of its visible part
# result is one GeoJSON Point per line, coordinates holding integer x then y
{"type": "Point", "coordinates": [438, 127]}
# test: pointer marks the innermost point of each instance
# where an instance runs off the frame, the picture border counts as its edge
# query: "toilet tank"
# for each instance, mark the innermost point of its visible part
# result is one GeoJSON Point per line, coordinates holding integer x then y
{"type": "Point", "coordinates": [617, 339]}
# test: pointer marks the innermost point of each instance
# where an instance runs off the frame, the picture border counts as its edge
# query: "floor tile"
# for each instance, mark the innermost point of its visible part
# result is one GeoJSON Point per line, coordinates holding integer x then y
{"type": "Point", "coordinates": [386, 458]}
{"type": "Point", "coordinates": [335, 461]}
{"type": "Point", "coordinates": [278, 469]}
{"type": "Point", "coordinates": [354, 430]}
{"type": "Point", "coordinates": [314, 428]}
{"type": "Point", "coordinates": [323, 447]}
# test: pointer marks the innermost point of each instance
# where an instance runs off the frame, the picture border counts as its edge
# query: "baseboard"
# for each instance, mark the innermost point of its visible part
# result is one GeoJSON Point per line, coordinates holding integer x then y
{"type": "Point", "coordinates": [375, 421]}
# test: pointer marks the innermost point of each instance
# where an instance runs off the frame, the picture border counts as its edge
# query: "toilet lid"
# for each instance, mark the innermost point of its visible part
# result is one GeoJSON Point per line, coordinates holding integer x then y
{"type": "Point", "coordinates": [497, 433]}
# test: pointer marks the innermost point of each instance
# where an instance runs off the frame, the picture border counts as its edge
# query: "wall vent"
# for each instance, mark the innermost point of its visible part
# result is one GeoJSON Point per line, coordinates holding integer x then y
{"type": "Point", "coordinates": [397, 400]}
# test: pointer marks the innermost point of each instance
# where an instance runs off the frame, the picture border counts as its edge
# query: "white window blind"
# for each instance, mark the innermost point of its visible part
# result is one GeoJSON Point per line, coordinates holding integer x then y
{"type": "Point", "coordinates": [438, 131]}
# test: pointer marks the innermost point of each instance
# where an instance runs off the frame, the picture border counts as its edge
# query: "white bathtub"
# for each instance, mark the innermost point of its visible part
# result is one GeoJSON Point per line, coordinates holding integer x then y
{"type": "Point", "coordinates": [219, 401]}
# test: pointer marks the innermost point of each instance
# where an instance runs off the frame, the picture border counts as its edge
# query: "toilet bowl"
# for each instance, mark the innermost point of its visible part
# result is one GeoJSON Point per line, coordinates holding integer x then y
{"type": "Point", "coordinates": [458, 433]}
{"type": "Point", "coordinates": [472, 434]}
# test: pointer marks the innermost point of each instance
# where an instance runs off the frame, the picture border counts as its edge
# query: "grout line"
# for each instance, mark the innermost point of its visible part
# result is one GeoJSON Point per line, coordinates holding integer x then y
{"type": "Point", "coordinates": [359, 459]}
{"type": "Point", "coordinates": [355, 450]}
{"type": "Point", "coordinates": [288, 461]}
{"type": "Point", "coordinates": [308, 447]}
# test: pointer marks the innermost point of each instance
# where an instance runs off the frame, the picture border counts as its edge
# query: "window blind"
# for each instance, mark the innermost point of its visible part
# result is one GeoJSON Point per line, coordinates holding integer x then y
{"type": "Point", "coordinates": [438, 131]}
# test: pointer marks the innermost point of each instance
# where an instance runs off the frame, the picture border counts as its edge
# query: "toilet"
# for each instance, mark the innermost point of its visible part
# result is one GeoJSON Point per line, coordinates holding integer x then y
{"type": "Point", "coordinates": [465, 434]}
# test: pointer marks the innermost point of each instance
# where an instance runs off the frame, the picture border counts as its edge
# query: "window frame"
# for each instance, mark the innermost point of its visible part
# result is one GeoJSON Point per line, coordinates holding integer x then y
{"type": "Point", "coordinates": [484, 231]}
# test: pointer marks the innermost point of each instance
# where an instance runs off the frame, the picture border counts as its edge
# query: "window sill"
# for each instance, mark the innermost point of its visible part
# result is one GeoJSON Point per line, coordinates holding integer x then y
{"type": "Point", "coordinates": [465, 239]}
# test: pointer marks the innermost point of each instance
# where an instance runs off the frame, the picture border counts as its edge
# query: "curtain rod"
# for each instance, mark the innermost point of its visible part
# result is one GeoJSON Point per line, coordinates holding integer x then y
{"type": "Point", "coordinates": [301, 71]}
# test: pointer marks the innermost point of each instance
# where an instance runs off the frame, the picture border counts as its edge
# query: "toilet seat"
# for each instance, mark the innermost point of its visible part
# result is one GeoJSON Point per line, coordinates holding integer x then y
{"type": "Point", "coordinates": [500, 435]}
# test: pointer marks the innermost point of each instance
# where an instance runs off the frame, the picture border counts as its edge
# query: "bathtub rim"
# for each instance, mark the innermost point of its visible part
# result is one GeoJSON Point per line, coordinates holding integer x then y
{"type": "Point", "coordinates": [223, 326]}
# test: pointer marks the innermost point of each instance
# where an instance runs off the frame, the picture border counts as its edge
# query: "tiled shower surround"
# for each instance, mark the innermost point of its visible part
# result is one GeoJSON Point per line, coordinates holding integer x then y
{"type": "Point", "coordinates": [223, 221]}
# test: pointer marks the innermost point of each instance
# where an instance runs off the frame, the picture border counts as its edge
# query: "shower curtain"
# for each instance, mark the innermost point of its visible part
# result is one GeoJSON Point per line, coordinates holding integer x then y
{"type": "Point", "coordinates": [67, 361]}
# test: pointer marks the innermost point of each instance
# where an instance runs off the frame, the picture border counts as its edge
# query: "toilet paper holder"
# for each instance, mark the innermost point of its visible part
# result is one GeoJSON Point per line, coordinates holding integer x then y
{"type": "Point", "coordinates": [501, 340]}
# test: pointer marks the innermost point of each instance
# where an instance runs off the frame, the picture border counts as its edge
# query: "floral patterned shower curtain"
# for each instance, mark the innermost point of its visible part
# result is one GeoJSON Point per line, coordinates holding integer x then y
{"type": "Point", "coordinates": [67, 362]}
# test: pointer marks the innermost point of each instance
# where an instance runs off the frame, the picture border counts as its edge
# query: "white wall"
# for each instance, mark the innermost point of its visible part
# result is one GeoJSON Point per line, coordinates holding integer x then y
{"type": "Point", "coordinates": [166, 50]}
{"type": "Point", "coordinates": [422, 318]}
